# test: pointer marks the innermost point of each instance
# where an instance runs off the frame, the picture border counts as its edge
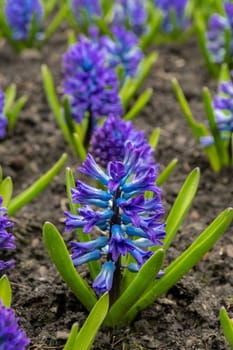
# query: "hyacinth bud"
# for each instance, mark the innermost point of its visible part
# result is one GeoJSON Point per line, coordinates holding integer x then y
{"type": "Point", "coordinates": [108, 141]}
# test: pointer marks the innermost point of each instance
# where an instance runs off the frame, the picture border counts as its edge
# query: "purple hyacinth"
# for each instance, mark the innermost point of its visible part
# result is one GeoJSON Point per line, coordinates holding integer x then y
{"type": "Point", "coordinates": [86, 10]}
{"type": "Point", "coordinates": [108, 141]}
{"type": "Point", "coordinates": [125, 215]}
{"type": "Point", "coordinates": [11, 336]}
{"type": "Point", "coordinates": [3, 119]}
{"type": "Point", "coordinates": [215, 36]}
{"type": "Point", "coordinates": [223, 110]}
{"type": "Point", "coordinates": [178, 7]}
{"type": "Point", "coordinates": [124, 50]}
{"type": "Point", "coordinates": [132, 12]}
{"type": "Point", "coordinates": [19, 15]}
{"type": "Point", "coordinates": [91, 85]}
{"type": "Point", "coordinates": [6, 238]}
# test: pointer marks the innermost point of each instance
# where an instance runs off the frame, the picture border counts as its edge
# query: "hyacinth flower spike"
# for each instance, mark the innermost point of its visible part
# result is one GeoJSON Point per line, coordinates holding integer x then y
{"type": "Point", "coordinates": [215, 40]}
{"type": "Point", "coordinates": [3, 119]}
{"type": "Point", "coordinates": [130, 234]}
{"type": "Point", "coordinates": [12, 337]}
{"type": "Point", "coordinates": [91, 85]}
{"type": "Point", "coordinates": [84, 12]}
{"type": "Point", "coordinates": [132, 14]}
{"type": "Point", "coordinates": [7, 240]}
{"type": "Point", "coordinates": [217, 138]}
{"type": "Point", "coordinates": [21, 22]}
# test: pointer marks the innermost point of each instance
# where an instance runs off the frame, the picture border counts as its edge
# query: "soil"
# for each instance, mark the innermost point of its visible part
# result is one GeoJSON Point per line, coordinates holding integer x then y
{"type": "Point", "coordinates": [187, 316]}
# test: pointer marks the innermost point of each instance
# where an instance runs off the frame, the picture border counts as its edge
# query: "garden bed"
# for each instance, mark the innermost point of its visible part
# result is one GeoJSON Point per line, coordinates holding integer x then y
{"type": "Point", "coordinates": [187, 316]}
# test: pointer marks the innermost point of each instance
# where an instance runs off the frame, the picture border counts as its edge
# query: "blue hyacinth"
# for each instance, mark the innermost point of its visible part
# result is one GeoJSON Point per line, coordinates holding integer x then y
{"type": "Point", "coordinates": [215, 36]}
{"type": "Point", "coordinates": [223, 111]}
{"type": "Point", "coordinates": [108, 142]}
{"type": "Point", "coordinates": [130, 13]}
{"type": "Point", "coordinates": [128, 222]}
{"type": "Point", "coordinates": [3, 119]}
{"type": "Point", "coordinates": [11, 336]}
{"type": "Point", "coordinates": [6, 238]}
{"type": "Point", "coordinates": [86, 10]}
{"type": "Point", "coordinates": [19, 15]}
{"type": "Point", "coordinates": [123, 51]}
{"type": "Point", "coordinates": [178, 8]}
{"type": "Point", "coordinates": [91, 85]}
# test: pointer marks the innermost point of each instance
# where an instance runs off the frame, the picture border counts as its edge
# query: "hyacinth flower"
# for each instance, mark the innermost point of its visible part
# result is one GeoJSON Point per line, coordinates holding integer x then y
{"type": "Point", "coordinates": [108, 142]}
{"type": "Point", "coordinates": [85, 12]}
{"type": "Point", "coordinates": [133, 221]}
{"type": "Point", "coordinates": [12, 337]}
{"type": "Point", "coordinates": [91, 85]}
{"type": "Point", "coordinates": [174, 18]}
{"type": "Point", "coordinates": [124, 214]}
{"type": "Point", "coordinates": [217, 139]}
{"type": "Point", "coordinates": [132, 14]}
{"type": "Point", "coordinates": [123, 51]}
{"type": "Point", "coordinates": [15, 203]}
{"type": "Point", "coordinates": [215, 40]}
{"type": "Point", "coordinates": [9, 109]}
{"type": "Point", "coordinates": [3, 119]}
{"type": "Point", "coordinates": [21, 22]}
{"type": "Point", "coordinates": [6, 238]}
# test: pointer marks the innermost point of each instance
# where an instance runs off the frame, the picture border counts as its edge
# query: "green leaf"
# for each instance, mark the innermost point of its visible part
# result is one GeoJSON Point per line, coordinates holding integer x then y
{"type": "Point", "coordinates": [132, 85]}
{"type": "Point", "coordinates": [71, 340]}
{"type": "Point", "coordinates": [12, 115]}
{"type": "Point", "coordinates": [139, 104]}
{"type": "Point", "coordinates": [181, 206]}
{"type": "Point", "coordinates": [149, 37]}
{"type": "Point", "coordinates": [184, 262]}
{"type": "Point", "coordinates": [54, 103]}
{"type": "Point", "coordinates": [224, 74]}
{"type": "Point", "coordinates": [10, 94]}
{"type": "Point", "coordinates": [32, 191]}
{"type": "Point", "coordinates": [86, 336]}
{"type": "Point", "coordinates": [166, 173]}
{"type": "Point", "coordinates": [137, 287]}
{"type": "Point", "coordinates": [62, 260]}
{"type": "Point", "coordinates": [154, 139]}
{"type": "Point", "coordinates": [5, 291]}
{"type": "Point", "coordinates": [79, 147]}
{"type": "Point", "coordinates": [227, 326]}
{"type": "Point", "coordinates": [6, 189]}
{"type": "Point", "coordinates": [198, 129]}
{"type": "Point", "coordinates": [50, 30]}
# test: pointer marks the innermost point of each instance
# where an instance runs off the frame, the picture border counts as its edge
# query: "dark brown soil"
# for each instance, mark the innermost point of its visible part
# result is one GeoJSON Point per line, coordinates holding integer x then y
{"type": "Point", "coordinates": [187, 316]}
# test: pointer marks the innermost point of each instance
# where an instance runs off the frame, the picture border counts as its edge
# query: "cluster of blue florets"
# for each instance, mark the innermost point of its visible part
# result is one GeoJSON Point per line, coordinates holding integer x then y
{"type": "Point", "coordinates": [3, 119]}
{"type": "Point", "coordinates": [21, 14]}
{"type": "Point", "coordinates": [216, 34]}
{"type": "Point", "coordinates": [128, 222]}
